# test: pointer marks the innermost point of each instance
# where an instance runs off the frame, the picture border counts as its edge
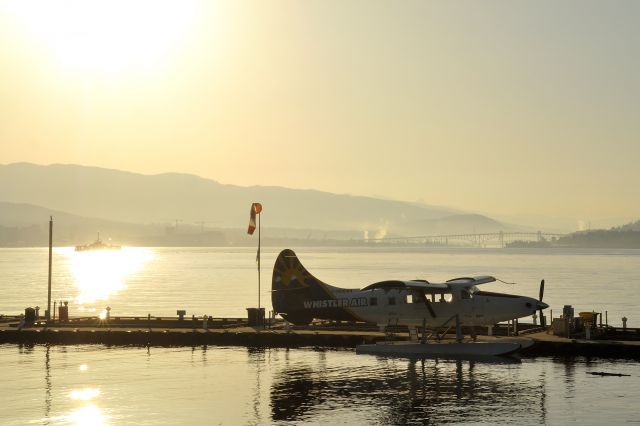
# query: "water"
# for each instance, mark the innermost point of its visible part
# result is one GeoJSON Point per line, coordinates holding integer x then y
{"type": "Point", "coordinates": [223, 282]}
{"type": "Point", "coordinates": [221, 385]}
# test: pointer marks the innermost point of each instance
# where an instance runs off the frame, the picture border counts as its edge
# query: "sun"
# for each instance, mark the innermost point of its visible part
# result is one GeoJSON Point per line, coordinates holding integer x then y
{"type": "Point", "coordinates": [107, 37]}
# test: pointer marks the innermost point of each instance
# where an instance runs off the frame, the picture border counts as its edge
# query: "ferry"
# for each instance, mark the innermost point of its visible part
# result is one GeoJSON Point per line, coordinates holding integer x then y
{"type": "Point", "coordinates": [97, 245]}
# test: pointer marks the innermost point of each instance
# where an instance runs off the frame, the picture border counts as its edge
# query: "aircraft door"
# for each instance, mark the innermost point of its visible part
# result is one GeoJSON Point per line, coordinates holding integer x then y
{"type": "Point", "coordinates": [394, 305]}
{"type": "Point", "coordinates": [419, 306]}
{"type": "Point", "coordinates": [467, 306]}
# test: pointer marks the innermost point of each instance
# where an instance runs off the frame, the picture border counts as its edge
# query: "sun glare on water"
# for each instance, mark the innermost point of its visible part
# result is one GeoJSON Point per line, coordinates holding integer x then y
{"type": "Point", "coordinates": [96, 36]}
{"type": "Point", "coordinates": [99, 274]}
{"type": "Point", "coordinates": [88, 415]}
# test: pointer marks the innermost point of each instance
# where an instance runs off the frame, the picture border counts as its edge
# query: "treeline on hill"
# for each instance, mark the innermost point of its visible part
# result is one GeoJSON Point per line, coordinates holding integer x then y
{"type": "Point", "coordinates": [625, 236]}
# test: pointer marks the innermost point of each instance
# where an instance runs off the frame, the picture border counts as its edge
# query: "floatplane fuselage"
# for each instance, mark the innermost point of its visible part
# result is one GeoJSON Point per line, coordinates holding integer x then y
{"type": "Point", "coordinates": [300, 298]}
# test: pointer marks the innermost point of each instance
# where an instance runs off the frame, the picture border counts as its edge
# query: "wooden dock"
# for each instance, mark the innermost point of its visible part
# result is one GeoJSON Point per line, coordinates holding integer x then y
{"type": "Point", "coordinates": [145, 331]}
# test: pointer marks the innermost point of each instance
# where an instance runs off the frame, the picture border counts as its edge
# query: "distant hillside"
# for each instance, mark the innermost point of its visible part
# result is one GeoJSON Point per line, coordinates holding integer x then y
{"type": "Point", "coordinates": [601, 238]}
{"type": "Point", "coordinates": [28, 225]}
{"type": "Point", "coordinates": [187, 200]}
{"type": "Point", "coordinates": [633, 226]}
{"type": "Point", "coordinates": [621, 237]}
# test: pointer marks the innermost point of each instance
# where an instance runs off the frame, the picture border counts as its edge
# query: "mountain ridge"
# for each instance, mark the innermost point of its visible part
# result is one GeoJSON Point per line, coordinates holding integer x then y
{"type": "Point", "coordinates": [129, 197]}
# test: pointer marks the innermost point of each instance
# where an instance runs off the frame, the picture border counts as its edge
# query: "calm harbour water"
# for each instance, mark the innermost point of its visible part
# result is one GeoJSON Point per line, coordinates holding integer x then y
{"type": "Point", "coordinates": [222, 385]}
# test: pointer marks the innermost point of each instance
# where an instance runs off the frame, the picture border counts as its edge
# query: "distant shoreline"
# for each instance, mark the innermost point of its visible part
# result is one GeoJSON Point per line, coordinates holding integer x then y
{"type": "Point", "coordinates": [337, 244]}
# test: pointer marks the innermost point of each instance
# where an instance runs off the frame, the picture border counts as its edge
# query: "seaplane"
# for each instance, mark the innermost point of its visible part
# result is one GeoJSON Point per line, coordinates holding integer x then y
{"type": "Point", "coordinates": [299, 298]}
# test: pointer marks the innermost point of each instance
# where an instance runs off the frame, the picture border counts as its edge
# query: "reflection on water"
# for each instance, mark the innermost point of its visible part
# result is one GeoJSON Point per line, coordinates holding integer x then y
{"type": "Point", "coordinates": [99, 274]}
{"type": "Point", "coordinates": [85, 415]}
{"type": "Point", "coordinates": [405, 391]}
{"type": "Point", "coordinates": [220, 385]}
{"type": "Point", "coordinates": [88, 415]}
{"type": "Point", "coordinates": [84, 394]}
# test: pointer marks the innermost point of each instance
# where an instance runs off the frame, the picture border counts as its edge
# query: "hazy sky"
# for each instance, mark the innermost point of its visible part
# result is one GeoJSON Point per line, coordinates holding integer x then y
{"type": "Point", "coordinates": [505, 107]}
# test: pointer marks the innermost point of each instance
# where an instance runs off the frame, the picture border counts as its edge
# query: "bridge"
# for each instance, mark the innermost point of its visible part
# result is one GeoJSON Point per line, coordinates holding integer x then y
{"type": "Point", "coordinates": [489, 239]}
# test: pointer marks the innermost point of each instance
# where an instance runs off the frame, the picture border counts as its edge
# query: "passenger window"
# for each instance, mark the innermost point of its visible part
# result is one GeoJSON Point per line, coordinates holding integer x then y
{"type": "Point", "coordinates": [392, 300]}
{"type": "Point", "coordinates": [410, 298]}
{"type": "Point", "coordinates": [373, 301]}
{"type": "Point", "coordinates": [445, 297]}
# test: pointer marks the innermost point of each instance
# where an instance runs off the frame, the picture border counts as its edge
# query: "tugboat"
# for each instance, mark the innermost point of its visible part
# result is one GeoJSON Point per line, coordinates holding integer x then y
{"type": "Point", "coordinates": [97, 245]}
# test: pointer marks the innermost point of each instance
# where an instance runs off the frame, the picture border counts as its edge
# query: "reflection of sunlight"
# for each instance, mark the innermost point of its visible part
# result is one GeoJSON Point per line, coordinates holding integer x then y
{"type": "Point", "coordinates": [99, 274]}
{"type": "Point", "coordinates": [84, 367]}
{"type": "Point", "coordinates": [88, 415]}
{"type": "Point", "coordinates": [84, 394]}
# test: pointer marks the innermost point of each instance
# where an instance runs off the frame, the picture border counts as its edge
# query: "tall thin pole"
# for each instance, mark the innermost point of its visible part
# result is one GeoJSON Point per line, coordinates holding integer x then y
{"type": "Point", "coordinates": [259, 262]}
{"type": "Point", "coordinates": [50, 257]}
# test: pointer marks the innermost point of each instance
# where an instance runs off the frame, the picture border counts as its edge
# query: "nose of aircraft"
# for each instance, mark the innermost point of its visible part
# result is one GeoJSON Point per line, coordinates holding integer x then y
{"type": "Point", "coordinates": [541, 305]}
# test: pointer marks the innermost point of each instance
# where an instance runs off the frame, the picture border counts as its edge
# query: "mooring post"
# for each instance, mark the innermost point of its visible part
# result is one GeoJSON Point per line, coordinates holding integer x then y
{"type": "Point", "coordinates": [600, 315]}
{"type": "Point", "coordinates": [458, 330]}
{"type": "Point", "coordinates": [48, 313]}
{"type": "Point", "coordinates": [424, 330]}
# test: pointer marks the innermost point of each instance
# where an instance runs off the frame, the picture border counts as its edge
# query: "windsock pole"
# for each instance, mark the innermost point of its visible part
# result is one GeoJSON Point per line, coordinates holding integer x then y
{"type": "Point", "coordinates": [50, 261]}
{"type": "Point", "coordinates": [258, 258]}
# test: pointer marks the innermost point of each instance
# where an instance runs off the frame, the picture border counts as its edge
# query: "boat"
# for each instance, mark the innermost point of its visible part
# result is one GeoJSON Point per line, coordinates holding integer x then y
{"type": "Point", "coordinates": [97, 245]}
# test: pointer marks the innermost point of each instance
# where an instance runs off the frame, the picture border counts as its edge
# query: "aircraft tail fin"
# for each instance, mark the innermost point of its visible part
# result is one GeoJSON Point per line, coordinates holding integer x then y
{"type": "Point", "coordinates": [295, 292]}
{"type": "Point", "coordinates": [289, 274]}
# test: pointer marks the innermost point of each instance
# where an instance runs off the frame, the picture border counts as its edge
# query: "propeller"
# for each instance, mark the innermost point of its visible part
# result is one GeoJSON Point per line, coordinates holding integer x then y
{"type": "Point", "coordinates": [540, 305]}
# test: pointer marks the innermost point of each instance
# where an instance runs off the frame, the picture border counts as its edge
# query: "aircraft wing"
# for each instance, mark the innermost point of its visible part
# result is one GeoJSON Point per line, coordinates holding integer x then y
{"type": "Point", "coordinates": [425, 286]}
{"type": "Point", "coordinates": [456, 283]}
{"type": "Point", "coordinates": [469, 281]}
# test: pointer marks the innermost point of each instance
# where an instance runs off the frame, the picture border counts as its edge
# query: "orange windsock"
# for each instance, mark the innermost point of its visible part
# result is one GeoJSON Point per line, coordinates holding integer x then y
{"type": "Point", "coordinates": [256, 208]}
